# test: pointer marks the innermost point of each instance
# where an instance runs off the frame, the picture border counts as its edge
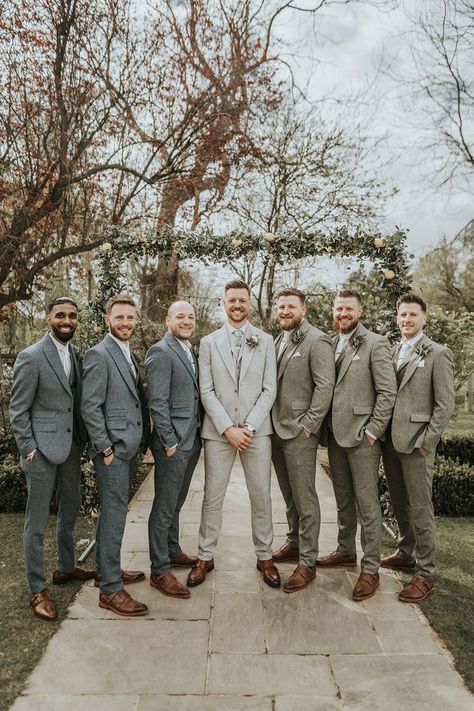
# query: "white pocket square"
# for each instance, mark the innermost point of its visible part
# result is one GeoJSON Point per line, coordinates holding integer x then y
{"type": "Point", "coordinates": [421, 364]}
{"type": "Point", "coordinates": [356, 357]}
{"type": "Point", "coordinates": [295, 355]}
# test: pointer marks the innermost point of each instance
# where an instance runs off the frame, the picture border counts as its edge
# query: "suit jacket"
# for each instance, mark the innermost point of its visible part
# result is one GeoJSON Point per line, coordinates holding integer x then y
{"type": "Point", "coordinates": [232, 399]}
{"type": "Point", "coordinates": [173, 394]}
{"type": "Point", "coordinates": [44, 408]}
{"type": "Point", "coordinates": [425, 399]}
{"type": "Point", "coordinates": [365, 390]}
{"type": "Point", "coordinates": [306, 375]}
{"type": "Point", "coordinates": [111, 405]}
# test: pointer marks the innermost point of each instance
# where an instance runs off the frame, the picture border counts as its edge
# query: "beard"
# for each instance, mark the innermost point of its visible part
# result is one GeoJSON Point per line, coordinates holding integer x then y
{"type": "Point", "coordinates": [345, 326]}
{"type": "Point", "coordinates": [63, 336]}
{"type": "Point", "coordinates": [290, 324]}
{"type": "Point", "coordinates": [125, 336]}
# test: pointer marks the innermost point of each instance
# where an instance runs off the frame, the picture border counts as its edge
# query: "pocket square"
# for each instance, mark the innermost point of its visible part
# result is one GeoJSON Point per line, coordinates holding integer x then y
{"type": "Point", "coordinates": [421, 364]}
{"type": "Point", "coordinates": [356, 357]}
{"type": "Point", "coordinates": [295, 355]}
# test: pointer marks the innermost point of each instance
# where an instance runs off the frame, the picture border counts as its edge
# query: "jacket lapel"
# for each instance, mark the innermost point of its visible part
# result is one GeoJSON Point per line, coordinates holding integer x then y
{"type": "Point", "coordinates": [291, 348]}
{"type": "Point", "coordinates": [221, 339]}
{"type": "Point", "coordinates": [247, 353]}
{"type": "Point", "coordinates": [121, 363]}
{"type": "Point", "coordinates": [347, 359]}
{"type": "Point", "coordinates": [52, 356]}
{"type": "Point", "coordinates": [412, 364]}
{"type": "Point", "coordinates": [176, 348]}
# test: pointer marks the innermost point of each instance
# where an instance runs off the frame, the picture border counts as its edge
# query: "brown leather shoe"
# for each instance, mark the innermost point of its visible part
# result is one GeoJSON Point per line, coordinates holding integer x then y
{"type": "Point", "coordinates": [395, 562]}
{"type": "Point", "coordinates": [300, 578]}
{"type": "Point", "coordinates": [416, 590]}
{"type": "Point", "coordinates": [365, 586]}
{"type": "Point", "coordinates": [337, 560]}
{"type": "Point", "coordinates": [123, 604]}
{"type": "Point", "coordinates": [285, 553]}
{"type": "Point", "coordinates": [128, 577]}
{"type": "Point", "coordinates": [43, 605]}
{"type": "Point", "coordinates": [199, 571]}
{"type": "Point", "coordinates": [169, 585]}
{"type": "Point", "coordinates": [269, 572]}
{"type": "Point", "coordinates": [59, 578]}
{"type": "Point", "coordinates": [183, 560]}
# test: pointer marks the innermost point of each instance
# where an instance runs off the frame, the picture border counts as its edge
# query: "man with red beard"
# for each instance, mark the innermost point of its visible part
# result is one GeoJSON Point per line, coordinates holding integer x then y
{"type": "Point", "coordinates": [364, 397]}
{"type": "Point", "coordinates": [305, 385]}
{"type": "Point", "coordinates": [50, 434]}
{"type": "Point", "coordinates": [117, 420]}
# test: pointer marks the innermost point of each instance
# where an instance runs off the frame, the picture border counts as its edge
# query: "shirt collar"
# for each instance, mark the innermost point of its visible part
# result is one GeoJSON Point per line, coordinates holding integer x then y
{"type": "Point", "coordinates": [124, 345]}
{"type": "Point", "coordinates": [347, 335]}
{"type": "Point", "coordinates": [231, 329]}
{"type": "Point", "coordinates": [413, 341]}
{"type": "Point", "coordinates": [184, 344]}
{"type": "Point", "coordinates": [59, 346]}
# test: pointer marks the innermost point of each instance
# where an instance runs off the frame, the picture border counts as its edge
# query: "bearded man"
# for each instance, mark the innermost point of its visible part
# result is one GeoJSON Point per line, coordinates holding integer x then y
{"type": "Point", "coordinates": [305, 383]}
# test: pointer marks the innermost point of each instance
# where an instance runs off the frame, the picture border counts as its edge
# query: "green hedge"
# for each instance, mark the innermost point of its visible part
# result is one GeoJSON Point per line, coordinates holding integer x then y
{"type": "Point", "coordinates": [459, 446]}
{"type": "Point", "coordinates": [12, 484]}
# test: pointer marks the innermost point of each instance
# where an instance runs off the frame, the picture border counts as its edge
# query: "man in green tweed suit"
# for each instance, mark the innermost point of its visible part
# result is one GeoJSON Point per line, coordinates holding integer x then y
{"type": "Point", "coordinates": [306, 375]}
{"type": "Point", "coordinates": [363, 401]}
{"type": "Point", "coordinates": [424, 404]}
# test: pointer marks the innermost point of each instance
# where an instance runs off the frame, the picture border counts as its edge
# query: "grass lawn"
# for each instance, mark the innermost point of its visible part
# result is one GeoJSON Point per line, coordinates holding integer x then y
{"type": "Point", "coordinates": [464, 422]}
{"type": "Point", "coordinates": [24, 636]}
{"type": "Point", "coordinates": [450, 609]}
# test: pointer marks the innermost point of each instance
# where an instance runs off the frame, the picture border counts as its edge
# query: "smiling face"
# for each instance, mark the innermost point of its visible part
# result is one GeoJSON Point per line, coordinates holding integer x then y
{"type": "Point", "coordinates": [346, 313]}
{"type": "Point", "coordinates": [63, 321]}
{"type": "Point", "coordinates": [121, 321]}
{"type": "Point", "coordinates": [290, 312]}
{"type": "Point", "coordinates": [410, 320]}
{"type": "Point", "coordinates": [237, 306]}
{"type": "Point", "coordinates": [181, 320]}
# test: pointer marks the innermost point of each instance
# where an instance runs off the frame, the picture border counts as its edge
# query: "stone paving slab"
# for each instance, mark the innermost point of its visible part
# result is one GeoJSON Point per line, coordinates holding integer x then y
{"type": "Point", "coordinates": [238, 645]}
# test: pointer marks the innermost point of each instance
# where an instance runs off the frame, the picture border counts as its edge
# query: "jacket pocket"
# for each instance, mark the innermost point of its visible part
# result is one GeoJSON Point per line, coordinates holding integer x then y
{"type": "Point", "coordinates": [116, 412]}
{"type": "Point", "coordinates": [116, 424]}
{"type": "Point", "coordinates": [363, 410]}
{"type": "Point", "coordinates": [180, 412]}
{"type": "Point", "coordinates": [43, 425]}
{"type": "Point", "coordinates": [299, 406]}
{"type": "Point", "coordinates": [419, 417]}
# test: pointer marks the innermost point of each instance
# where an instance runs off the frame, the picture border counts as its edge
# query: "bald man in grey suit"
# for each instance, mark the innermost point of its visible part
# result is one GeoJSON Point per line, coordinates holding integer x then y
{"type": "Point", "coordinates": [364, 396]}
{"type": "Point", "coordinates": [50, 434]}
{"type": "Point", "coordinates": [424, 404]}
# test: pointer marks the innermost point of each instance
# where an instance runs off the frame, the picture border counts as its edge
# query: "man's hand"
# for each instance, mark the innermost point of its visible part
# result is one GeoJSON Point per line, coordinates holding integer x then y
{"type": "Point", "coordinates": [423, 451]}
{"type": "Point", "coordinates": [109, 459]}
{"type": "Point", "coordinates": [171, 451]}
{"type": "Point", "coordinates": [370, 439]}
{"type": "Point", "coordinates": [239, 437]}
{"type": "Point", "coordinates": [307, 433]}
{"type": "Point", "coordinates": [31, 456]}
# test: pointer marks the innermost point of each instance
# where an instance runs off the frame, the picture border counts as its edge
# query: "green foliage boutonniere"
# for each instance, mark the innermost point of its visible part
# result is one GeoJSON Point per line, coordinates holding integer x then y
{"type": "Point", "coordinates": [252, 341]}
{"type": "Point", "coordinates": [296, 337]}
{"type": "Point", "coordinates": [422, 351]}
{"type": "Point", "coordinates": [357, 341]}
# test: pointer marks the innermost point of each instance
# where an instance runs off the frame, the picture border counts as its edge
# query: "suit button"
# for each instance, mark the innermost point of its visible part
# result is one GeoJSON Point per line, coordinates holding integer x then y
{"type": "Point", "coordinates": [69, 409]}
{"type": "Point", "coordinates": [139, 423]}
{"type": "Point", "coordinates": [68, 429]}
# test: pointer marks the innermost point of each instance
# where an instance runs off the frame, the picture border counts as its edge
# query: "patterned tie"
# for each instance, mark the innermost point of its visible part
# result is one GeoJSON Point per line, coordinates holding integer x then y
{"type": "Point", "coordinates": [189, 356]}
{"type": "Point", "coordinates": [238, 337]}
{"type": "Point", "coordinates": [283, 344]}
{"type": "Point", "coordinates": [403, 354]}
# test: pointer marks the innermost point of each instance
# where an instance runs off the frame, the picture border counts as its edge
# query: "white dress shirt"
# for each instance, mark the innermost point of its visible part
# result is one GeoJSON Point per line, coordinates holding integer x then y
{"type": "Point", "coordinates": [407, 347]}
{"type": "Point", "coordinates": [64, 355]}
{"type": "Point", "coordinates": [125, 347]}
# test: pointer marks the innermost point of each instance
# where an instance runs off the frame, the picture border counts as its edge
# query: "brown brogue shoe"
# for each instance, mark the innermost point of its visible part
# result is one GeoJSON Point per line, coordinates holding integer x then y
{"type": "Point", "coordinates": [199, 571]}
{"type": "Point", "coordinates": [269, 572]}
{"type": "Point", "coordinates": [123, 604]}
{"type": "Point", "coordinates": [365, 586]}
{"type": "Point", "coordinates": [59, 578]}
{"type": "Point", "coordinates": [300, 578]}
{"type": "Point", "coordinates": [286, 553]}
{"type": "Point", "coordinates": [416, 590]}
{"type": "Point", "coordinates": [169, 585]}
{"type": "Point", "coordinates": [128, 577]}
{"type": "Point", "coordinates": [183, 560]}
{"type": "Point", "coordinates": [43, 606]}
{"type": "Point", "coordinates": [337, 560]}
{"type": "Point", "coordinates": [395, 562]}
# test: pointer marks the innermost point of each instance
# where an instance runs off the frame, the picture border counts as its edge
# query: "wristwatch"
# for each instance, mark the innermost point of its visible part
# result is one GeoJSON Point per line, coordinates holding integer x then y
{"type": "Point", "coordinates": [107, 452]}
{"type": "Point", "coordinates": [250, 428]}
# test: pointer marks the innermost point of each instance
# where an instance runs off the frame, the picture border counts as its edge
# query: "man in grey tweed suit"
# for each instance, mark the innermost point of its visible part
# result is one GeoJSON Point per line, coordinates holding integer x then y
{"type": "Point", "coordinates": [116, 418]}
{"type": "Point", "coordinates": [306, 374]}
{"type": "Point", "coordinates": [50, 434]}
{"type": "Point", "coordinates": [173, 396]}
{"type": "Point", "coordinates": [237, 380]}
{"type": "Point", "coordinates": [364, 396]}
{"type": "Point", "coordinates": [424, 404]}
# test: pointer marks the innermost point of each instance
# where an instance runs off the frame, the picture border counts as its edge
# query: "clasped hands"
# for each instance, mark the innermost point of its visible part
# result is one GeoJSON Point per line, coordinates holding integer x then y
{"type": "Point", "coordinates": [239, 437]}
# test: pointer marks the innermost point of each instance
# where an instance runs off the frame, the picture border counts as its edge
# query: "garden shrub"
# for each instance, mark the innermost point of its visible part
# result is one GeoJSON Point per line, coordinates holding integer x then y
{"type": "Point", "coordinates": [12, 484]}
{"type": "Point", "coordinates": [459, 446]}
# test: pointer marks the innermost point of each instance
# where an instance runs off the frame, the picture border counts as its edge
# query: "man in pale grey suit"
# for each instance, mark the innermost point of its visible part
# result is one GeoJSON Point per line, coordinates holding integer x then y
{"type": "Point", "coordinates": [173, 397]}
{"type": "Point", "coordinates": [364, 396]}
{"type": "Point", "coordinates": [306, 374]}
{"type": "Point", "coordinates": [50, 434]}
{"type": "Point", "coordinates": [116, 417]}
{"type": "Point", "coordinates": [237, 376]}
{"type": "Point", "coordinates": [424, 404]}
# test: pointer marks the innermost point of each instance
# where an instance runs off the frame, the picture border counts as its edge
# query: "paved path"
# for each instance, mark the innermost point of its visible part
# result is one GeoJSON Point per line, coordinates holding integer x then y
{"type": "Point", "coordinates": [237, 644]}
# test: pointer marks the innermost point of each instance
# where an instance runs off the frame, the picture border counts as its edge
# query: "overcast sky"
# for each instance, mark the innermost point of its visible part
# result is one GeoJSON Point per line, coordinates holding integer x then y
{"type": "Point", "coordinates": [357, 37]}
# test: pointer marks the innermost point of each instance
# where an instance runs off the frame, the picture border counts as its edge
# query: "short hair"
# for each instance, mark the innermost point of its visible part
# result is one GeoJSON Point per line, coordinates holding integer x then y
{"type": "Point", "coordinates": [292, 291]}
{"type": "Point", "coordinates": [349, 294]}
{"type": "Point", "coordinates": [61, 300]}
{"type": "Point", "coordinates": [411, 298]}
{"type": "Point", "coordinates": [236, 284]}
{"type": "Point", "coordinates": [118, 299]}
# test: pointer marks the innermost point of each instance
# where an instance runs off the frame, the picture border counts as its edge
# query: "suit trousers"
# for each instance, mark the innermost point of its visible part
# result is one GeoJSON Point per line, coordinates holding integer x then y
{"type": "Point", "coordinates": [256, 462]}
{"type": "Point", "coordinates": [113, 482]}
{"type": "Point", "coordinates": [354, 473]}
{"type": "Point", "coordinates": [410, 479]}
{"type": "Point", "coordinates": [295, 465]}
{"type": "Point", "coordinates": [41, 478]}
{"type": "Point", "coordinates": [172, 479]}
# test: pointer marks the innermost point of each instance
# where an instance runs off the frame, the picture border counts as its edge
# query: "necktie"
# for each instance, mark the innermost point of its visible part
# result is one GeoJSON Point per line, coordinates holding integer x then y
{"type": "Point", "coordinates": [238, 336]}
{"type": "Point", "coordinates": [189, 356]}
{"type": "Point", "coordinates": [340, 346]}
{"type": "Point", "coordinates": [66, 361]}
{"type": "Point", "coordinates": [283, 344]}
{"type": "Point", "coordinates": [128, 357]}
{"type": "Point", "coordinates": [403, 353]}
